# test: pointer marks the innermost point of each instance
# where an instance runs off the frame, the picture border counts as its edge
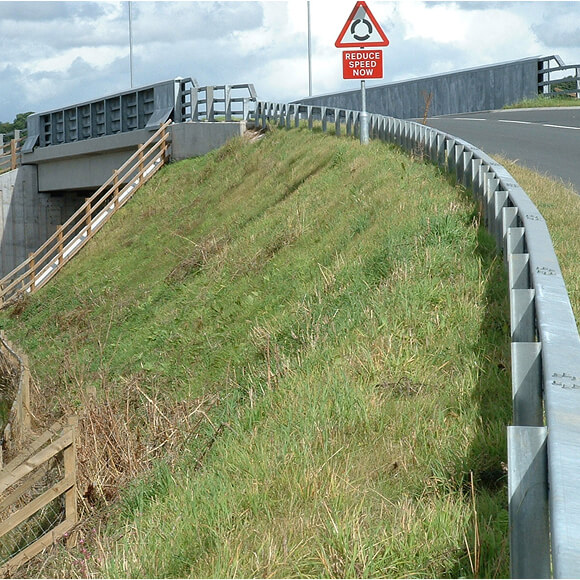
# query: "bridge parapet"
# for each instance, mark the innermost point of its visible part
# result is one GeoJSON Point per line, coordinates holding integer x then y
{"type": "Point", "coordinates": [180, 99]}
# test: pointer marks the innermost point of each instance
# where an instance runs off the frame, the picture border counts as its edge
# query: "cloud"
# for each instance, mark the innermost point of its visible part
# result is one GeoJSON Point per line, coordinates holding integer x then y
{"type": "Point", "coordinates": [59, 53]}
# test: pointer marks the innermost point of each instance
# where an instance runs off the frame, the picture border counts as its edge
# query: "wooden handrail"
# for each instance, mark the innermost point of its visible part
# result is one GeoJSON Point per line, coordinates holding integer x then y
{"type": "Point", "coordinates": [49, 258]}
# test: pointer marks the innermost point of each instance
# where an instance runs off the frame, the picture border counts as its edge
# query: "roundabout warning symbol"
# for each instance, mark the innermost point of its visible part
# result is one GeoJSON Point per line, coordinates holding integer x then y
{"type": "Point", "coordinates": [361, 30]}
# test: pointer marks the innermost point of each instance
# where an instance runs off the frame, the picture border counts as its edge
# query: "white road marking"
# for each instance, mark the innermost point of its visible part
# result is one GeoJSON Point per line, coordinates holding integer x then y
{"type": "Point", "coordinates": [518, 122]}
{"type": "Point", "coordinates": [561, 127]}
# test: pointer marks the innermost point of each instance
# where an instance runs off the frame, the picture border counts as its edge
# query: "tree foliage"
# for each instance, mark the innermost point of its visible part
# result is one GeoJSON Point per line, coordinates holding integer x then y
{"type": "Point", "coordinates": [19, 123]}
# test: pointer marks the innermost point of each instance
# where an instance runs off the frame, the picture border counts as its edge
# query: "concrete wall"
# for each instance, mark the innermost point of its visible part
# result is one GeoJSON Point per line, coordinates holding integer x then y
{"type": "Point", "coordinates": [28, 218]}
{"type": "Point", "coordinates": [86, 165]}
{"type": "Point", "coordinates": [194, 139]}
{"type": "Point", "coordinates": [479, 89]}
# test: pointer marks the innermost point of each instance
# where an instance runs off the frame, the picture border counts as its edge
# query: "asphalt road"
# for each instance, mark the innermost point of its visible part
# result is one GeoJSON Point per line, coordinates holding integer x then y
{"type": "Point", "coordinates": [547, 140]}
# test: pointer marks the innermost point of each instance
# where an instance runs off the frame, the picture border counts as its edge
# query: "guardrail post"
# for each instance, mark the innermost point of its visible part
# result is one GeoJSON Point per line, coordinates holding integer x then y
{"type": "Point", "coordinates": [458, 154]}
{"type": "Point", "coordinates": [519, 271]}
{"type": "Point", "coordinates": [515, 241]}
{"type": "Point", "coordinates": [476, 165]}
{"type": "Point", "coordinates": [509, 220]}
{"type": "Point", "coordinates": [500, 200]}
{"type": "Point", "coordinates": [441, 150]}
{"type": "Point", "coordinates": [528, 502]}
{"type": "Point", "coordinates": [297, 116]}
{"type": "Point", "coordinates": [526, 370]}
{"type": "Point", "coordinates": [522, 315]}
{"type": "Point", "coordinates": [467, 178]}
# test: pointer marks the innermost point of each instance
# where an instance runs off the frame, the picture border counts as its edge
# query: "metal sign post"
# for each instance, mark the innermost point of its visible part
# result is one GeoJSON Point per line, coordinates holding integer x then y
{"type": "Point", "coordinates": [364, 117]}
{"type": "Point", "coordinates": [362, 31]}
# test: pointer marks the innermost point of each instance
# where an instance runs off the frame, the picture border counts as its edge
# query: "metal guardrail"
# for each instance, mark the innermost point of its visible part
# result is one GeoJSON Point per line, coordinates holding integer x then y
{"type": "Point", "coordinates": [544, 441]}
{"type": "Point", "coordinates": [547, 82]}
{"type": "Point", "coordinates": [180, 99]}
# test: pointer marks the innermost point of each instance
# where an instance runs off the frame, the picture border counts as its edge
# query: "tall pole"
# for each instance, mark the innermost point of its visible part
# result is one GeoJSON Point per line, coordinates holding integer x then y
{"type": "Point", "coordinates": [131, 41]}
{"type": "Point", "coordinates": [309, 53]}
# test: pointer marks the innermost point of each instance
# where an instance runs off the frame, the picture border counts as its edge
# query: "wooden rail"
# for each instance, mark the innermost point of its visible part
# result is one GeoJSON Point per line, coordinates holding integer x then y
{"type": "Point", "coordinates": [43, 473]}
{"type": "Point", "coordinates": [10, 154]}
{"type": "Point", "coordinates": [69, 238]}
{"type": "Point", "coordinates": [16, 374]}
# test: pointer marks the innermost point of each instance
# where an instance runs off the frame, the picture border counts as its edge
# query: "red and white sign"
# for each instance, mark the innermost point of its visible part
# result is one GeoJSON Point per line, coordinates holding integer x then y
{"type": "Point", "coordinates": [362, 64]}
{"type": "Point", "coordinates": [361, 30]}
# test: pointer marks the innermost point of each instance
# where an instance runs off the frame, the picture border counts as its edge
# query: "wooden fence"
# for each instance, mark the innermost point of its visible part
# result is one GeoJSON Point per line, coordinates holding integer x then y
{"type": "Point", "coordinates": [14, 386]}
{"type": "Point", "coordinates": [69, 238]}
{"type": "Point", "coordinates": [10, 152]}
{"type": "Point", "coordinates": [38, 503]}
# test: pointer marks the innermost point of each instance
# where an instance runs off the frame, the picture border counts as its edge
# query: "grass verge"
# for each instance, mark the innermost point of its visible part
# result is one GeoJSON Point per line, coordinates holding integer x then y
{"type": "Point", "coordinates": [290, 358]}
{"type": "Point", "coordinates": [541, 101]}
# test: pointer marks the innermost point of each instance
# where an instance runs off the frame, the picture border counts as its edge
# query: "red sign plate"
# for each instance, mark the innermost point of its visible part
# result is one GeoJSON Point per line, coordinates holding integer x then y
{"type": "Point", "coordinates": [362, 64]}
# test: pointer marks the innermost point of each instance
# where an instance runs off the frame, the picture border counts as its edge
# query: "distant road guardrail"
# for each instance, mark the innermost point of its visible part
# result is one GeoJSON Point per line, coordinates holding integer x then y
{"type": "Point", "coordinates": [544, 441]}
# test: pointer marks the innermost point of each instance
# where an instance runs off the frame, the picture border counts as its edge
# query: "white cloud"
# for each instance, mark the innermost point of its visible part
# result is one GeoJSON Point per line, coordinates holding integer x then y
{"type": "Point", "coordinates": [58, 53]}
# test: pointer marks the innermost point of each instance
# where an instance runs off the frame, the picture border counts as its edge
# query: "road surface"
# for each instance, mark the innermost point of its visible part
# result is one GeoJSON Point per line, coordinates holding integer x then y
{"type": "Point", "coordinates": [546, 140]}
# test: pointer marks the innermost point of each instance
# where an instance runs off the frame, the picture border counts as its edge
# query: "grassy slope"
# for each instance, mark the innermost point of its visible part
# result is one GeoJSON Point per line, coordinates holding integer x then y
{"type": "Point", "coordinates": [306, 342]}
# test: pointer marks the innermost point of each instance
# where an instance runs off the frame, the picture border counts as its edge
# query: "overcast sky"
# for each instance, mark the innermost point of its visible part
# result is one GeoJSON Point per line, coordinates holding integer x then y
{"type": "Point", "coordinates": [55, 54]}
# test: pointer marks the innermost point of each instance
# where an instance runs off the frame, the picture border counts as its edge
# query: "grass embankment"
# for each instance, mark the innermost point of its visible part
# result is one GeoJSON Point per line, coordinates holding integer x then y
{"type": "Point", "coordinates": [290, 358]}
{"type": "Point", "coordinates": [540, 101]}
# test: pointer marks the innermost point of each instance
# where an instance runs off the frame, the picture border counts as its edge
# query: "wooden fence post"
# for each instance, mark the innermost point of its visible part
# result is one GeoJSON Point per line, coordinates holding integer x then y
{"type": "Point", "coordinates": [88, 214]}
{"type": "Point", "coordinates": [115, 188]}
{"type": "Point", "coordinates": [70, 470]}
{"type": "Point", "coordinates": [13, 154]}
{"type": "Point", "coordinates": [25, 393]}
{"type": "Point", "coordinates": [60, 254]}
{"type": "Point", "coordinates": [32, 272]}
{"type": "Point", "coordinates": [141, 166]}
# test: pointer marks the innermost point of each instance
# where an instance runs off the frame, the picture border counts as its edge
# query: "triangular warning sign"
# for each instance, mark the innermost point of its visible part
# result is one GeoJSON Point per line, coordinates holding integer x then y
{"type": "Point", "coordinates": [361, 30]}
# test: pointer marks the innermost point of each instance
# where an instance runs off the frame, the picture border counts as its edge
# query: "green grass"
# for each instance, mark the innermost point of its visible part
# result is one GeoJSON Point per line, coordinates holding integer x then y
{"type": "Point", "coordinates": [549, 101]}
{"type": "Point", "coordinates": [290, 358]}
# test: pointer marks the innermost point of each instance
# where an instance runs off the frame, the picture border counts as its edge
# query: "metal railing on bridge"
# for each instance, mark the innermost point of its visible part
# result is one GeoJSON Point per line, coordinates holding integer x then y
{"type": "Point", "coordinates": [544, 441]}
{"type": "Point", "coordinates": [559, 84]}
{"type": "Point", "coordinates": [180, 99]}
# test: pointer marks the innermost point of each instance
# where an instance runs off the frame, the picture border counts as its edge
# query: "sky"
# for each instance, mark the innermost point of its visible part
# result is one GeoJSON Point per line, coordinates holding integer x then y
{"type": "Point", "coordinates": [57, 54]}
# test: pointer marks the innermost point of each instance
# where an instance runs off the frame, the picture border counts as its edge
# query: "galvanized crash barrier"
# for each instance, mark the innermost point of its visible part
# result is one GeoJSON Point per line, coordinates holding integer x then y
{"type": "Point", "coordinates": [544, 440]}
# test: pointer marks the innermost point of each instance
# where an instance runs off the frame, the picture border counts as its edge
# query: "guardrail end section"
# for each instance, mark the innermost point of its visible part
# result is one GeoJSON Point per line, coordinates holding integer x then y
{"type": "Point", "coordinates": [528, 502]}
